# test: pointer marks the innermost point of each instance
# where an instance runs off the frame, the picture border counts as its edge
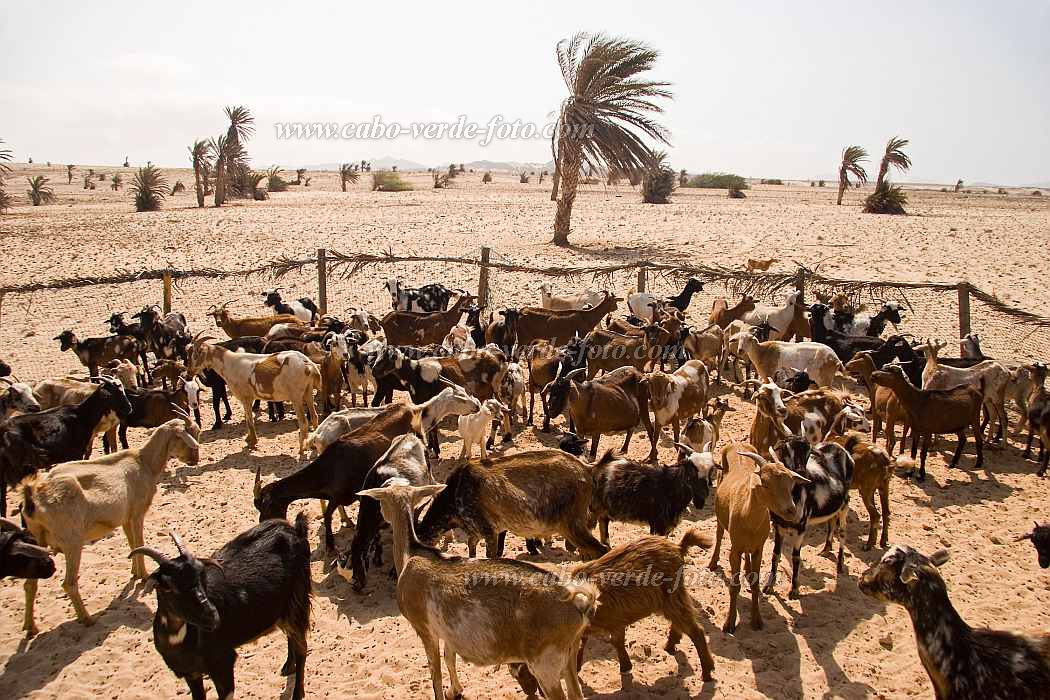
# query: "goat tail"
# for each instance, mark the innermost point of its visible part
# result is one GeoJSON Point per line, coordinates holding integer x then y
{"type": "Point", "coordinates": [694, 538]}
{"type": "Point", "coordinates": [28, 505]}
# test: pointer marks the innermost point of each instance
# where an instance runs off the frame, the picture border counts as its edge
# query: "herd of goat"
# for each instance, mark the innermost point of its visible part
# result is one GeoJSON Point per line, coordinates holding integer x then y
{"type": "Point", "coordinates": [810, 444]}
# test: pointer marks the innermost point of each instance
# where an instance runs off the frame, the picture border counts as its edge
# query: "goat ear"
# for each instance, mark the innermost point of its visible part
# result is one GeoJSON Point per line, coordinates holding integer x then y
{"type": "Point", "coordinates": [428, 491]}
{"type": "Point", "coordinates": [940, 557]}
{"type": "Point", "coordinates": [909, 573]}
{"type": "Point", "coordinates": [373, 493]}
{"type": "Point", "coordinates": [686, 450]}
{"type": "Point", "coordinates": [149, 584]}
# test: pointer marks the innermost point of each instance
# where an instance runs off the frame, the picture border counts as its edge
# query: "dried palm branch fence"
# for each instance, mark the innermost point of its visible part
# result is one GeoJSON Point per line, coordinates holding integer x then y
{"type": "Point", "coordinates": [32, 314]}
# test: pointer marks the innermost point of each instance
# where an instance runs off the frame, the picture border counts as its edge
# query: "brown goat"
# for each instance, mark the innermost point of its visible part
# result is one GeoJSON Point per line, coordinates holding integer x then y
{"type": "Point", "coordinates": [413, 328]}
{"type": "Point", "coordinates": [248, 326]}
{"type": "Point", "coordinates": [722, 314]}
{"type": "Point", "coordinates": [872, 471]}
{"type": "Point", "coordinates": [559, 327]}
{"type": "Point", "coordinates": [885, 406]}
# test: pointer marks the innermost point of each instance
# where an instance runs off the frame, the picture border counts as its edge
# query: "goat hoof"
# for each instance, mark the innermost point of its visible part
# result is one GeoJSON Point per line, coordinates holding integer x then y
{"type": "Point", "coordinates": [708, 676]}
{"type": "Point", "coordinates": [288, 668]}
{"type": "Point", "coordinates": [730, 628]}
{"type": "Point", "coordinates": [449, 695]}
{"type": "Point", "coordinates": [793, 595]}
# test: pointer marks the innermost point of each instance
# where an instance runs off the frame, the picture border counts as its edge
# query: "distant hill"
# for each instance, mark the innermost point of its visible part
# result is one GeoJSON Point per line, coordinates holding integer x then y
{"type": "Point", "coordinates": [509, 166]}
{"type": "Point", "coordinates": [384, 163]}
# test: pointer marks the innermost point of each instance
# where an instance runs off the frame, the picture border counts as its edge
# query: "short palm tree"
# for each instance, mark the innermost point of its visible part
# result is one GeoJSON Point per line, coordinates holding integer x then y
{"type": "Point", "coordinates": [607, 114]}
{"type": "Point", "coordinates": [299, 172]}
{"type": "Point", "coordinates": [852, 157]}
{"type": "Point", "coordinates": [200, 157]}
{"type": "Point", "coordinates": [39, 192]}
{"type": "Point", "coordinates": [118, 182]}
{"type": "Point", "coordinates": [886, 199]}
{"type": "Point", "coordinates": [659, 183]}
{"type": "Point", "coordinates": [894, 156]}
{"type": "Point", "coordinates": [958, 184]}
{"type": "Point", "coordinates": [149, 187]}
{"type": "Point", "coordinates": [348, 172]}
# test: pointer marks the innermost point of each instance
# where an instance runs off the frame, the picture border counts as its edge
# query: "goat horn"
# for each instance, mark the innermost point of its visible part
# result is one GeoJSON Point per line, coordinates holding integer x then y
{"type": "Point", "coordinates": [757, 458]}
{"type": "Point", "coordinates": [8, 524]}
{"type": "Point", "coordinates": [150, 552]}
{"type": "Point", "coordinates": [1021, 538]}
{"type": "Point", "coordinates": [179, 544]}
{"type": "Point", "coordinates": [258, 482]}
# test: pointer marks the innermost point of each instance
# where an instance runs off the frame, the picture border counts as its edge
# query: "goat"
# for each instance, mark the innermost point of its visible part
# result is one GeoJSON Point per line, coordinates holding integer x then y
{"type": "Point", "coordinates": [936, 411]}
{"type": "Point", "coordinates": [885, 406]}
{"type": "Point", "coordinates": [630, 491]}
{"type": "Point", "coordinates": [167, 337]}
{"type": "Point", "coordinates": [1040, 538]}
{"type": "Point", "coordinates": [642, 304]}
{"type": "Point", "coordinates": [676, 397]}
{"type": "Point", "coordinates": [20, 555]}
{"type": "Point", "coordinates": [474, 427]}
{"type": "Point", "coordinates": [759, 265]}
{"type": "Point", "coordinates": [749, 490]}
{"type": "Point", "coordinates": [37, 440]}
{"type": "Point", "coordinates": [607, 351]}
{"type": "Point", "coordinates": [794, 380]}
{"type": "Point", "coordinates": [247, 326]}
{"type": "Point", "coordinates": [872, 471]}
{"type": "Point", "coordinates": [618, 401]}
{"type": "Point", "coordinates": [781, 318]}
{"type": "Point", "coordinates": [707, 346]}
{"type": "Point", "coordinates": [651, 567]}
{"type": "Point", "coordinates": [1038, 418]}
{"type": "Point", "coordinates": [67, 391]}
{"type": "Point", "coordinates": [119, 327]}
{"type": "Point", "coordinates": [828, 468]}
{"type": "Point", "coordinates": [532, 494]}
{"type": "Point", "coordinates": [16, 397]}
{"type": "Point", "coordinates": [426, 299]}
{"type": "Point", "coordinates": [962, 662]}
{"type": "Point", "coordinates": [284, 376]}
{"type": "Point", "coordinates": [337, 424]}
{"type": "Point", "coordinates": [700, 431]}
{"type": "Point", "coordinates": [546, 363]}
{"type": "Point", "coordinates": [459, 339]}
{"type": "Point", "coordinates": [362, 321]}
{"type": "Point", "coordinates": [80, 502]}
{"type": "Point", "coordinates": [501, 331]}
{"type": "Point", "coordinates": [337, 474]}
{"type": "Point", "coordinates": [414, 328]}
{"type": "Point", "coordinates": [722, 314]}
{"type": "Point", "coordinates": [151, 408]}
{"type": "Point", "coordinates": [96, 352]}
{"type": "Point", "coordinates": [845, 346]}
{"type": "Point", "coordinates": [993, 375]}
{"type": "Point", "coordinates": [206, 608]}
{"type": "Point", "coordinates": [304, 309]}
{"type": "Point", "coordinates": [512, 389]}
{"type": "Point", "coordinates": [558, 327]}
{"type": "Point", "coordinates": [569, 301]}
{"type": "Point", "coordinates": [867, 324]}
{"type": "Point", "coordinates": [1025, 383]}
{"type": "Point", "coordinates": [519, 615]}
{"type": "Point", "coordinates": [818, 360]}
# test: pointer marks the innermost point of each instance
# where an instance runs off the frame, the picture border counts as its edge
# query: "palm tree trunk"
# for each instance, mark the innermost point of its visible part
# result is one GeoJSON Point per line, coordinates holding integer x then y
{"type": "Point", "coordinates": [842, 185]}
{"type": "Point", "coordinates": [197, 185]}
{"type": "Point", "coordinates": [883, 168]}
{"type": "Point", "coordinates": [557, 181]}
{"type": "Point", "coordinates": [570, 175]}
{"type": "Point", "coordinates": [220, 181]}
{"type": "Point", "coordinates": [342, 183]}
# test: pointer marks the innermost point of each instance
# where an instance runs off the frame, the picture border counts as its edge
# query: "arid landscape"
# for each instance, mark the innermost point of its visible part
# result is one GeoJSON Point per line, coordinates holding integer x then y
{"type": "Point", "coordinates": [832, 643]}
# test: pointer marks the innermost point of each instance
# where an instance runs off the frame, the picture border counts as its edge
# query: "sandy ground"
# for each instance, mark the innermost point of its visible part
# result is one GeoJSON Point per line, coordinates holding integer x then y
{"type": "Point", "coordinates": [833, 642]}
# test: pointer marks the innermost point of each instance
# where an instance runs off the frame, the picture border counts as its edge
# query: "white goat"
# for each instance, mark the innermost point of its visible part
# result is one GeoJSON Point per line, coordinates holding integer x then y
{"type": "Point", "coordinates": [16, 397]}
{"type": "Point", "coordinates": [459, 339]}
{"type": "Point", "coordinates": [474, 428]}
{"type": "Point", "coordinates": [817, 359]}
{"type": "Point", "coordinates": [80, 502]}
{"type": "Point", "coordinates": [779, 317]}
{"type": "Point", "coordinates": [513, 387]}
{"type": "Point", "coordinates": [588, 298]}
{"type": "Point", "coordinates": [336, 425]}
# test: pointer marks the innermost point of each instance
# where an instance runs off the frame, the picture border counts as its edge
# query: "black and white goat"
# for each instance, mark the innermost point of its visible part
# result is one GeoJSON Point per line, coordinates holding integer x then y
{"type": "Point", "coordinates": [825, 499]}
{"type": "Point", "coordinates": [303, 309]}
{"type": "Point", "coordinates": [641, 304]}
{"type": "Point", "coordinates": [207, 607]}
{"type": "Point", "coordinates": [962, 661]}
{"type": "Point", "coordinates": [864, 323]}
{"type": "Point", "coordinates": [428, 298]}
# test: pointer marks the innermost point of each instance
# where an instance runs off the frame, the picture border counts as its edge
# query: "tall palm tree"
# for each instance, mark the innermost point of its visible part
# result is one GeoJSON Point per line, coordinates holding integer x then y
{"type": "Point", "coordinates": [609, 110]}
{"type": "Point", "coordinates": [894, 156]}
{"type": "Point", "coordinates": [232, 154]}
{"type": "Point", "coordinates": [200, 154]}
{"type": "Point", "coordinates": [217, 146]}
{"type": "Point", "coordinates": [348, 173]}
{"type": "Point", "coordinates": [39, 192]}
{"type": "Point", "coordinates": [852, 157]}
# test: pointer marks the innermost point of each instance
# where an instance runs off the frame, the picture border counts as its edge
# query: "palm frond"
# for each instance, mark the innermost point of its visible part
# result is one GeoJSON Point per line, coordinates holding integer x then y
{"type": "Point", "coordinates": [149, 188]}
{"type": "Point", "coordinates": [242, 123]}
{"type": "Point", "coordinates": [852, 157]}
{"type": "Point", "coordinates": [886, 199]}
{"type": "Point", "coordinates": [39, 192]}
{"type": "Point", "coordinates": [5, 158]}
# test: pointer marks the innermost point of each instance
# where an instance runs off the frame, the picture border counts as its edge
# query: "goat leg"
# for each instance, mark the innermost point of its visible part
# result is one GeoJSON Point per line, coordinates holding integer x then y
{"type": "Point", "coordinates": [196, 686]}
{"type": "Point", "coordinates": [29, 624]}
{"type": "Point", "coordinates": [777, 544]}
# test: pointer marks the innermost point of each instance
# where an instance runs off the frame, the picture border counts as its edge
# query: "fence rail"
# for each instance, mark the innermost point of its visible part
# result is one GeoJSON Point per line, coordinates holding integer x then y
{"type": "Point", "coordinates": [338, 282]}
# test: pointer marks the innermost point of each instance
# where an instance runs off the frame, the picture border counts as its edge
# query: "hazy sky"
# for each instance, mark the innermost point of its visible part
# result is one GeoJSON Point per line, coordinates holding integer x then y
{"type": "Point", "coordinates": [772, 89]}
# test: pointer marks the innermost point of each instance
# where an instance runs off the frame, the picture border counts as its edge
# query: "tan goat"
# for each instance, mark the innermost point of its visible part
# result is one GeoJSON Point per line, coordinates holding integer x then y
{"type": "Point", "coordinates": [677, 397]}
{"type": "Point", "coordinates": [248, 326]}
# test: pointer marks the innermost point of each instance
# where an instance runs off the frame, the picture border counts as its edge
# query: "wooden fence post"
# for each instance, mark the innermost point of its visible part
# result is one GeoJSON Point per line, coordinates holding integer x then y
{"type": "Point", "coordinates": [800, 283]}
{"type": "Point", "coordinates": [166, 303]}
{"type": "Point", "coordinates": [483, 278]}
{"type": "Point", "coordinates": [641, 279]}
{"type": "Point", "coordinates": [964, 309]}
{"type": "Point", "coordinates": [322, 280]}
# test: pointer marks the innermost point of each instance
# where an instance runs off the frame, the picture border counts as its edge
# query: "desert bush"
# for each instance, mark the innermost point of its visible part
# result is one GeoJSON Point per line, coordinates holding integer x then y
{"type": "Point", "coordinates": [117, 182]}
{"type": "Point", "coordinates": [6, 200]}
{"type": "Point", "coordinates": [101, 177]}
{"type": "Point", "coordinates": [274, 181]}
{"type": "Point", "coordinates": [388, 181]}
{"type": "Point", "coordinates": [69, 174]}
{"type": "Point", "coordinates": [441, 180]}
{"type": "Point", "coordinates": [523, 178]}
{"type": "Point", "coordinates": [944, 189]}
{"type": "Point", "coordinates": [886, 199]}
{"type": "Point", "coordinates": [718, 181]}
{"type": "Point", "coordinates": [462, 169]}
{"type": "Point", "coordinates": [149, 188]}
{"type": "Point", "coordinates": [1037, 193]}
{"type": "Point", "coordinates": [486, 178]}
{"type": "Point", "coordinates": [177, 187]}
{"type": "Point", "coordinates": [1002, 191]}
{"type": "Point", "coordinates": [812, 184]}
{"type": "Point", "coordinates": [772, 181]}
{"type": "Point", "coordinates": [820, 183]}
{"type": "Point", "coordinates": [306, 180]}
{"type": "Point", "coordinates": [299, 172]}
{"type": "Point", "coordinates": [452, 172]}
{"type": "Point", "coordinates": [734, 193]}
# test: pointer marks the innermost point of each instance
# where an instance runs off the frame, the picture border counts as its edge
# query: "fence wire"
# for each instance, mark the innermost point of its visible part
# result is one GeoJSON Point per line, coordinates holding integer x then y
{"type": "Point", "coordinates": [31, 315]}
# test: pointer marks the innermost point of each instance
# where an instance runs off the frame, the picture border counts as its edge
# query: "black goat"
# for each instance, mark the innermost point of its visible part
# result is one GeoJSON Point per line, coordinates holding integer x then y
{"type": "Point", "coordinates": [503, 331]}
{"type": "Point", "coordinates": [118, 326]}
{"type": "Point", "coordinates": [167, 337]}
{"type": "Point", "coordinates": [151, 408]}
{"type": "Point", "coordinates": [62, 434]}
{"type": "Point", "coordinates": [20, 555]}
{"type": "Point", "coordinates": [845, 346]}
{"type": "Point", "coordinates": [630, 491]}
{"type": "Point", "coordinates": [962, 661]}
{"type": "Point", "coordinates": [206, 608]}
{"type": "Point", "coordinates": [1040, 537]}
{"type": "Point", "coordinates": [98, 352]}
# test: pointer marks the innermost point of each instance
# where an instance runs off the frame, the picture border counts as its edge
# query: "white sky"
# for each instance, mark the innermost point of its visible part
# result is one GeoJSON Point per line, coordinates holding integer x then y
{"type": "Point", "coordinates": [772, 89]}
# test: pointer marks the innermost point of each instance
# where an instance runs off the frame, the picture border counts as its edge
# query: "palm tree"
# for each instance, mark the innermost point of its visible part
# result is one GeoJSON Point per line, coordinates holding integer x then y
{"type": "Point", "coordinates": [659, 181]}
{"type": "Point", "coordinates": [958, 184]}
{"type": "Point", "coordinates": [200, 155]}
{"type": "Point", "coordinates": [894, 156]}
{"type": "Point", "coordinates": [299, 172]}
{"type": "Point", "coordinates": [852, 157]}
{"type": "Point", "coordinates": [607, 113]}
{"type": "Point", "coordinates": [118, 182]}
{"type": "Point", "coordinates": [149, 188]}
{"type": "Point", "coordinates": [39, 192]}
{"type": "Point", "coordinates": [348, 173]}
{"type": "Point", "coordinates": [5, 199]}
{"type": "Point", "coordinates": [683, 177]}
{"type": "Point", "coordinates": [233, 155]}
{"type": "Point", "coordinates": [217, 147]}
